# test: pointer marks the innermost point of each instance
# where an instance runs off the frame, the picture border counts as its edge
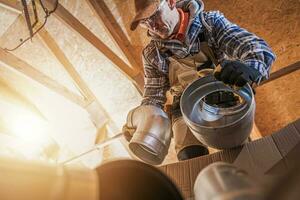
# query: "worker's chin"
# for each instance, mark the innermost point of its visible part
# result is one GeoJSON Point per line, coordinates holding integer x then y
{"type": "Point", "coordinates": [164, 35]}
{"type": "Point", "coordinates": [164, 32]}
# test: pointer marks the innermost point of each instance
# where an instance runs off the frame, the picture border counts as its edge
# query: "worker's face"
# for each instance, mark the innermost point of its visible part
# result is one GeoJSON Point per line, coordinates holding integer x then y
{"type": "Point", "coordinates": [163, 22]}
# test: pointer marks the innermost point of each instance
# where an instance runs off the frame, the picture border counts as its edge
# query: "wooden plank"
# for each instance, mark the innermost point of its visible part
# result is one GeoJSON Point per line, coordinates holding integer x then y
{"type": "Point", "coordinates": [65, 16]}
{"type": "Point", "coordinates": [106, 17]}
{"type": "Point", "coordinates": [98, 115]}
{"type": "Point", "coordinates": [26, 69]}
{"type": "Point", "coordinates": [61, 57]}
{"type": "Point", "coordinates": [282, 72]}
{"type": "Point", "coordinates": [139, 82]}
{"type": "Point", "coordinates": [12, 5]}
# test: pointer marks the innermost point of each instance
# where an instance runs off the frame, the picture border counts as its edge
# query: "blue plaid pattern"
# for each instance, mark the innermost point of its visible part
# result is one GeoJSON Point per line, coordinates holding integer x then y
{"type": "Point", "coordinates": [227, 40]}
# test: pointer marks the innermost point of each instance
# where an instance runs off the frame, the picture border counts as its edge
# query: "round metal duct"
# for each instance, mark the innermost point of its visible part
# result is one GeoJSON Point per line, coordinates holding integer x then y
{"type": "Point", "coordinates": [218, 125]}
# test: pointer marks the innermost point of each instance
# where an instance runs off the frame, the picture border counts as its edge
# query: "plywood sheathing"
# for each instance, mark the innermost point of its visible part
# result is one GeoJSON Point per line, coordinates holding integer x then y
{"type": "Point", "coordinates": [278, 22]}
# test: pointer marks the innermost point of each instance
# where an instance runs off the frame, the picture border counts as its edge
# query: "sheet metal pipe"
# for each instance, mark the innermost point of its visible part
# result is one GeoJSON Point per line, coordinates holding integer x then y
{"type": "Point", "coordinates": [224, 181]}
{"type": "Point", "coordinates": [151, 140]}
{"type": "Point", "coordinates": [216, 127]}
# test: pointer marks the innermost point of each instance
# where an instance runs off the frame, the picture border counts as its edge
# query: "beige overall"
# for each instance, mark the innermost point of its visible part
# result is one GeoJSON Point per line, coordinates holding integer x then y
{"type": "Point", "coordinates": [181, 73]}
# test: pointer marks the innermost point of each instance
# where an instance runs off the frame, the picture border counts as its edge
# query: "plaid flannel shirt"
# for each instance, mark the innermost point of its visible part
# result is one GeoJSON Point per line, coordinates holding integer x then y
{"type": "Point", "coordinates": [227, 40]}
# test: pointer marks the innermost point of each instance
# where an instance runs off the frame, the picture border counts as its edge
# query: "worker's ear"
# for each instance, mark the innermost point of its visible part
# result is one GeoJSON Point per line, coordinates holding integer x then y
{"type": "Point", "coordinates": [172, 4]}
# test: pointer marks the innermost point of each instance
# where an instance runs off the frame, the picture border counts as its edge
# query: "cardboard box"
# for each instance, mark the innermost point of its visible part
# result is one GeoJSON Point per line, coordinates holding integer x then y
{"type": "Point", "coordinates": [266, 155]}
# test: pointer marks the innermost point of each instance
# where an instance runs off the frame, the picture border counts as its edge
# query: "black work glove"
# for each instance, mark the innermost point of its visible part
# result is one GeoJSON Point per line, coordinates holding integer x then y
{"type": "Point", "coordinates": [237, 73]}
{"type": "Point", "coordinates": [128, 129]}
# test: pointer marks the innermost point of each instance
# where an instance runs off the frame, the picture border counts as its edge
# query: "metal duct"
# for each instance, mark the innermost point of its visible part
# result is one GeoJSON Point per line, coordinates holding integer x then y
{"type": "Point", "coordinates": [223, 181]}
{"type": "Point", "coordinates": [215, 126]}
{"type": "Point", "coordinates": [152, 138]}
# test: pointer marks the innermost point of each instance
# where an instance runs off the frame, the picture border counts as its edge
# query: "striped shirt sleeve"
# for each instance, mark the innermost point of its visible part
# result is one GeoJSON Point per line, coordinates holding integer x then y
{"type": "Point", "coordinates": [156, 82]}
{"type": "Point", "coordinates": [239, 44]}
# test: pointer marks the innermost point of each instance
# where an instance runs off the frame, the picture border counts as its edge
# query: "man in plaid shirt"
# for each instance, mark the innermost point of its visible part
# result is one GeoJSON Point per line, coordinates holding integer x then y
{"type": "Point", "coordinates": [184, 39]}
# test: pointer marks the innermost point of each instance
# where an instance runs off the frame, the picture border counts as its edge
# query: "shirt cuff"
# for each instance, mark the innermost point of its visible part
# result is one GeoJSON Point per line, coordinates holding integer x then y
{"type": "Point", "coordinates": [152, 103]}
{"type": "Point", "coordinates": [260, 67]}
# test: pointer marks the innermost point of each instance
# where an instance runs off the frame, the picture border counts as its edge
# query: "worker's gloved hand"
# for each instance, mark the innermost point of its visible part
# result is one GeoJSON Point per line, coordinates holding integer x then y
{"type": "Point", "coordinates": [128, 129]}
{"type": "Point", "coordinates": [237, 73]}
{"type": "Point", "coordinates": [128, 132]}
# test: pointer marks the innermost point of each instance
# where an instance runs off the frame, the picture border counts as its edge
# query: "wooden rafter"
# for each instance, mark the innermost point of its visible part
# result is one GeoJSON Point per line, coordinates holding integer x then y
{"type": "Point", "coordinates": [282, 72]}
{"type": "Point", "coordinates": [26, 69]}
{"type": "Point", "coordinates": [62, 58]}
{"type": "Point", "coordinates": [65, 16]}
{"type": "Point", "coordinates": [106, 17]}
{"type": "Point", "coordinates": [90, 103]}
{"type": "Point", "coordinates": [12, 5]}
{"type": "Point", "coordinates": [97, 113]}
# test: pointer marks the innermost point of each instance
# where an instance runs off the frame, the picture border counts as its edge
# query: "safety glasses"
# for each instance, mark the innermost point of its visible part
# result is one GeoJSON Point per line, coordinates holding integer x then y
{"type": "Point", "coordinates": [152, 21]}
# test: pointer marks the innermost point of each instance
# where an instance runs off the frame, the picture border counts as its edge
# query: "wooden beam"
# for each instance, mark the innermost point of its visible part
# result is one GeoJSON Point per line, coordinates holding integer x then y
{"type": "Point", "coordinates": [65, 16]}
{"type": "Point", "coordinates": [62, 58]}
{"type": "Point", "coordinates": [98, 114]}
{"type": "Point", "coordinates": [105, 16]}
{"type": "Point", "coordinates": [26, 69]}
{"type": "Point", "coordinates": [12, 5]}
{"type": "Point", "coordinates": [282, 72]}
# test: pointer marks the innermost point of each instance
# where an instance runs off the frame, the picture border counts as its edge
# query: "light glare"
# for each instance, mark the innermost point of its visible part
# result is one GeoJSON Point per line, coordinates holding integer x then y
{"type": "Point", "coordinates": [29, 127]}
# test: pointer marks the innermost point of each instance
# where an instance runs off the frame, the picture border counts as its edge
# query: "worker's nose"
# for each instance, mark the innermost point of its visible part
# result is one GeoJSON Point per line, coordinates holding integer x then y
{"type": "Point", "coordinates": [155, 25]}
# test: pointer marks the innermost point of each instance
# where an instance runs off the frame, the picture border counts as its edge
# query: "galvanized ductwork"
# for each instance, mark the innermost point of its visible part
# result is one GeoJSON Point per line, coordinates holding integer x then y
{"type": "Point", "coordinates": [151, 140]}
{"type": "Point", "coordinates": [218, 127]}
{"type": "Point", "coordinates": [224, 181]}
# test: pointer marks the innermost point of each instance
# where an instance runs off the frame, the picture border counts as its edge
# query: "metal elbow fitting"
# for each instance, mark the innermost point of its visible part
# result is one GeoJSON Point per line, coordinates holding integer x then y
{"type": "Point", "coordinates": [151, 140]}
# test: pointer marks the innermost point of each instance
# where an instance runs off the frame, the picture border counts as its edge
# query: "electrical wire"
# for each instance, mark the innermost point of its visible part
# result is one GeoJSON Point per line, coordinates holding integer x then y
{"type": "Point", "coordinates": [47, 14]}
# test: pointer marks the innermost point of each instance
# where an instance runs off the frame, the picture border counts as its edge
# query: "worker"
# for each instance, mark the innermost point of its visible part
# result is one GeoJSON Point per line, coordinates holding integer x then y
{"type": "Point", "coordinates": [184, 40]}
